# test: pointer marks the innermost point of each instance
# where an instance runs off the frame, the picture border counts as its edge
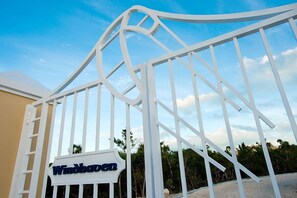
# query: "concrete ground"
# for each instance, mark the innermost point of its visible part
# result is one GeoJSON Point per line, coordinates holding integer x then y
{"type": "Point", "coordinates": [287, 185]}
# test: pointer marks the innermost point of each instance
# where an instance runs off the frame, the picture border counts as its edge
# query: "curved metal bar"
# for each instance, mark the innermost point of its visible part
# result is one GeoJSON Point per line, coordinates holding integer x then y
{"type": "Point", "coordinates": [125, 52]}
{"type": "Point", "coordinates": [222, 18]}
{"type": "Point", "coordinates": [89, 57]}
{"type": "Point", "coordinates": [150, 13]}
{"type": "Point", "coordinates": [253, 15]}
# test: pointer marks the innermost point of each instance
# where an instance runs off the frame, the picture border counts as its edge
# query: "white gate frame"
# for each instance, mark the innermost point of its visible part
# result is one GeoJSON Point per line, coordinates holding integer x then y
{"type": "Point", "coordinates": [150, 103]}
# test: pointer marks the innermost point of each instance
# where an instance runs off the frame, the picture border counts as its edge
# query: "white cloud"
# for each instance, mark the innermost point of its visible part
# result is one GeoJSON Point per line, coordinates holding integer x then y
{"type": "Point", "coordinates": [248, 62]}
{"type": "Point", "coordinates": [289, 52]}
{"type": "Point", "coordinates": [288, 65]}
{"type": "Point", "coordinates": [188, 103]}
{"type": "Point", "coordinates": [265, 59]}
{"type": "Point", "coordinates": [262, 82]}
{"type": "Point", "coordinates": [220, 137]}
{"type": "Point", "coordinates": [259, 69]}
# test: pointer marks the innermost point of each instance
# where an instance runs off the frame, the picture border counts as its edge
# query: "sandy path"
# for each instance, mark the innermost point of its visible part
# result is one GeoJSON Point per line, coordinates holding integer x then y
{"type": "Point", "coordinates": [287, 184]}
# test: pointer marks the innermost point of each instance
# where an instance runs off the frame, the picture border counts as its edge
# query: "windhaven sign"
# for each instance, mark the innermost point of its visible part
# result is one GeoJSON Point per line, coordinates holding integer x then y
{"type": "Point", "coordinates": [92, 167]}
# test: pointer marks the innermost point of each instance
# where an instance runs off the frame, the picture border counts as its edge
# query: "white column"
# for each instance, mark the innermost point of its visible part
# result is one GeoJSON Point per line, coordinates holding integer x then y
{"type": "Point", "coordinates": [49, 147]}
{"type": "Point", "coordinates": [153, 163]}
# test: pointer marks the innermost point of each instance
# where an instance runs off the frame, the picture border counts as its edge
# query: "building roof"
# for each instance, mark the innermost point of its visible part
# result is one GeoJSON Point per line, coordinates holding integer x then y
{"type": "Point", "coordinates": [21, 84]}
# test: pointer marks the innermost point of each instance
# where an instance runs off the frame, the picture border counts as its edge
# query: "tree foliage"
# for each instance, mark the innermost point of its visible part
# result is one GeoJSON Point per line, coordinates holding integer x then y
{"type": "Point", "coordinates": [283, 158]}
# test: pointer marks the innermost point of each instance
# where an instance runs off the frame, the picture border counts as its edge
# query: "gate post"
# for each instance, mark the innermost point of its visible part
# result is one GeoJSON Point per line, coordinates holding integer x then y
{"type": "Point", "coordinates": [152, 150]}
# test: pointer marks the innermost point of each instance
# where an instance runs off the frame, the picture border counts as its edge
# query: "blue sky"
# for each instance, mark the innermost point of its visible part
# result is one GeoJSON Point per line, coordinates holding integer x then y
{"type": "Point", "coordinates": [48, 41]}
{"type": "Point", "coordinates": [51, 38]}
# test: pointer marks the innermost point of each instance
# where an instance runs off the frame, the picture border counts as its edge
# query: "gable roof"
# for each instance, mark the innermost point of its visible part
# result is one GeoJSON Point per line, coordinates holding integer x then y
{"type": "Point", "coordinates": [21, 84]}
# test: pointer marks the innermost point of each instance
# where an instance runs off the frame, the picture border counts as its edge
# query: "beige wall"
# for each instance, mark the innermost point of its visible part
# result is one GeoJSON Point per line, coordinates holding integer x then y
{"type": "Point", "coordinates": [11, 121]}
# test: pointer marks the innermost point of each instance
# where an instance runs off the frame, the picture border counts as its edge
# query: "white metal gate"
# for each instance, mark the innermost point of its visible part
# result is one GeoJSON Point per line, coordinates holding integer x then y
{"type": "Point", "coordinates": [141, 97]}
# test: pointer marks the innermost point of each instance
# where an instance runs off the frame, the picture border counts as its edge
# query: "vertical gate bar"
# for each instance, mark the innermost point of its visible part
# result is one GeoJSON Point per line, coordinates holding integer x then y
{"type": "Point", "coordinates": [201, 129]}
{"type": "Point", "coordinates": [177, 128]}
{"type": "Point", "coordinates": [38, 152]}
{"type": "Point", "coordinates": [81, 191]}
{"type": "Point", "coordinates": [85, 125]}
{"type": "Point", "coordinates": [67, 189]}
{"type": "Point", "coordinates": [97, 143]}
{"type": "Point", "coordinates": [62, 126]}
{"type": "Point", "coordinates": [154, 133]}
{"type": "Point", "coordinates": [148, 158]}
{"type": "Point", "coordinates": [55, 190]}
{"type": "Point", "coordinates": [128, 146]}
{"type": "Point", "coordinates": [49, 148]}
{"type": "Point", "coordinates": [257, 121]}
{"type": "Point", "coordinates": [293, 26]}
{"type": "Point", "coordinates": [73, 123]}
{"type": "Point", "coordinates": [227, 122]}
{"type": "Point", "coordinates": [279, 83]}
{"type": "Point", "coordinates": [95, 190]}
{"type": "Point", "coordinates": [153, 162]}
{"type": "Point", "coordinates": [111, 121]}
{"type": "Point", "coordinates": [111, 190]}
{"type": "Point", "coordinates": [111, 185]}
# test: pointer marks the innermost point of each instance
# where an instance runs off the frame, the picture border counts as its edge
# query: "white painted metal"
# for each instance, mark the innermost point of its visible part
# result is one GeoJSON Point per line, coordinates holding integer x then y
{"type": "Point", "coordinates": [146, 88]}
{"type": "Point", "coordinates": [147, 137]}
{"type": "Point", "coordinates": [115, 69]}
{"type": "Point", "coordinates": [201, 129]}
{"type": "Point", "coordinates": [87, 158]}
{"type": "Point", "coordinates": [270, 22]}
{"type": "Point", "coordinates": [227, 122]}
{"type": "Point", "coordinates": [95, 190]}
{"type": "Point", "coordinates": [49, 148]}
{"type": "Point", "coordinates": [67, 190]}
{"type": "Point", "coordinates": [55, 190]}
{"type": "Point", "coordinates": [112, 121]}
{"type": "Point", "coordinates": [177, 128]}
{"type": "Point", "coordinates": [257, 121]}
{"type": "Point", "coordinates": [85, 124]}
{"type": "Point", "coordinates": [153, 164]}
{"type": "Point", "coordinates": [18, 180]}
{"type": "Point", "coordinates": [210, 143]}
{"type": "Point", "coordinates": [81, 191]}
{"type": "Point", "coordinates": [128, 144]}
{"type": "Point", "coordinates": [68, 92]}
{"type": "Point", "coordinates": [62, 125]}
{"type": "Point", "coordinates": [97, 141]}
{"type": "Point", "coordinates": [112, 103]}
{"type": "Point", "coordinates": [293, 26]}
{"type": "Point", "coordinates": [218, 165]}
{"type": "Point", "coordinates": [111, 190]}
{"type": "Point", "coordinates": [38, 152]}
{"type": "Point", "coordinates": [279, 83]}
{"type": "Point", "coordinates": [73, 121]}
